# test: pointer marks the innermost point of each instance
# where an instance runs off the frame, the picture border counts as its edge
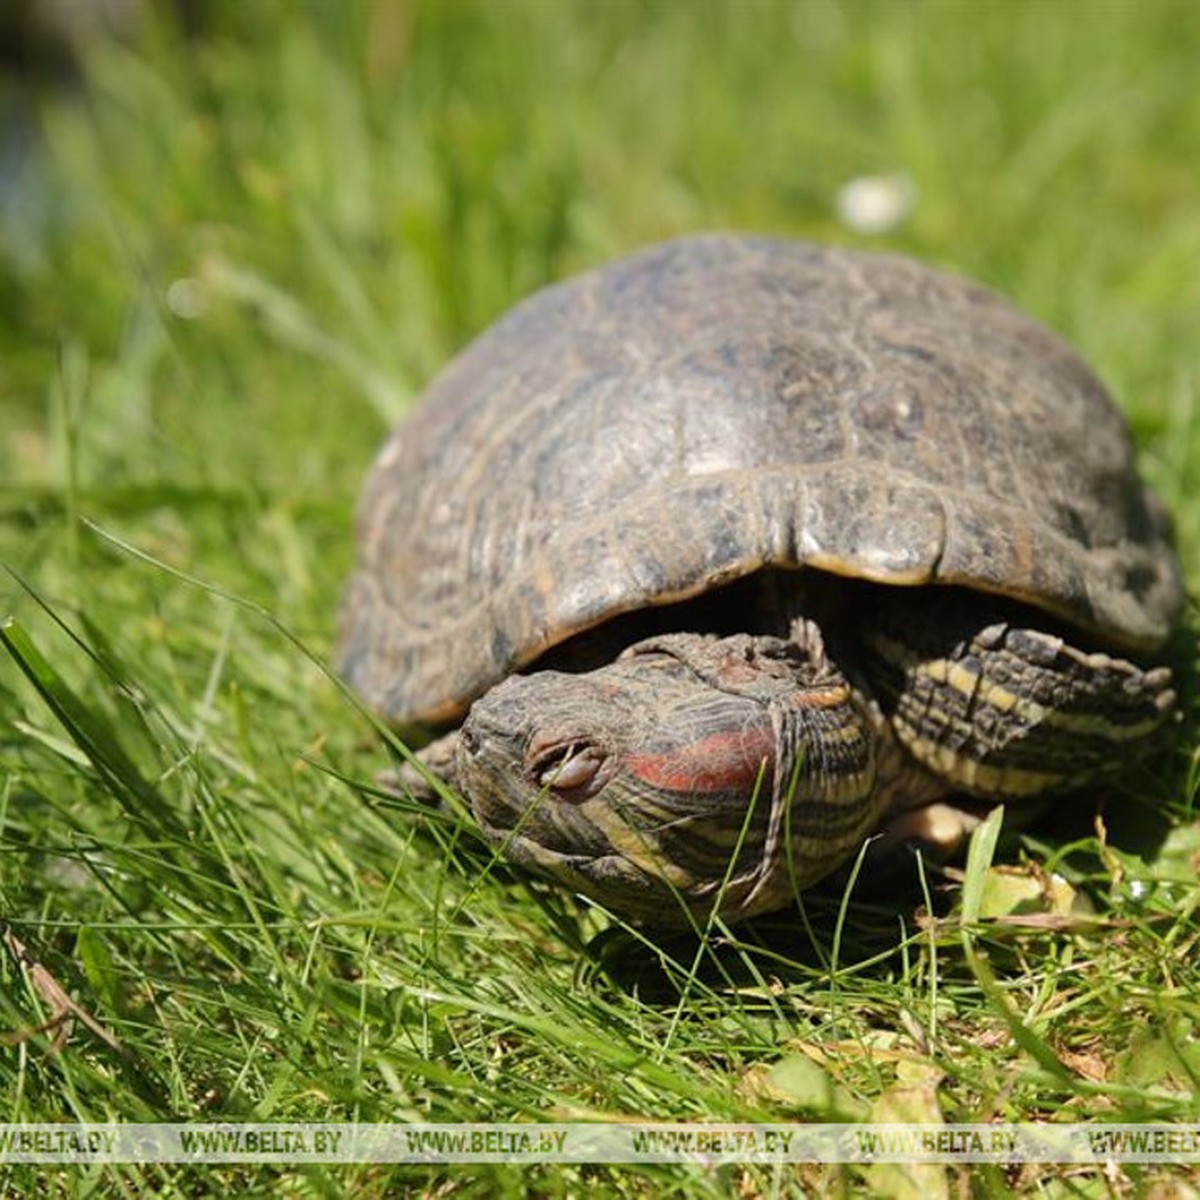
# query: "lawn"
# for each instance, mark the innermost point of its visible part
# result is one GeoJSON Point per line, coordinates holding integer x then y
{"type": "Point", "coordinates": [231, 255]}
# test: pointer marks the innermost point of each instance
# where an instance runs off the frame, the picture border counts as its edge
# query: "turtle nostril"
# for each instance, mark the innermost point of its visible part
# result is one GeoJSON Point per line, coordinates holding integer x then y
{"type": "Point", "coordinates": [468, 739]}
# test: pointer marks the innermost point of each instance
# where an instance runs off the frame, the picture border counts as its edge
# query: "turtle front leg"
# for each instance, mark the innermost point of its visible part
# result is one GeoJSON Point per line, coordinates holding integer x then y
{"type": "Point", "coordinates": [1002, 711]}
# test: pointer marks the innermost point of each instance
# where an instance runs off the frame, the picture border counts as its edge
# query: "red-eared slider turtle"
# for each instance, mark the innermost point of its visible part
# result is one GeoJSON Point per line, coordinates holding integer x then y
{"type": "Point", "coordinates": [788, 544]}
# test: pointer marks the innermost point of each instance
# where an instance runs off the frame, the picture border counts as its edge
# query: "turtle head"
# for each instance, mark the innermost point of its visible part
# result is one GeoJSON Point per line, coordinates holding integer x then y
{"type": "Point", "coordinates": [663, 783]}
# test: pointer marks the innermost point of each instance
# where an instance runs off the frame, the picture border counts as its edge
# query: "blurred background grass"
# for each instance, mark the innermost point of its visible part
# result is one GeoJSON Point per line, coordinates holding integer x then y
{"type": "Point", "coordinates": [235, 241]}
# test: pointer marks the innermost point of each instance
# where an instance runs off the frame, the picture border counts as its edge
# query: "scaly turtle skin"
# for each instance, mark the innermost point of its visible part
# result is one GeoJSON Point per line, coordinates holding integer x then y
{"type": "Point", "coordinates": [793, 543]}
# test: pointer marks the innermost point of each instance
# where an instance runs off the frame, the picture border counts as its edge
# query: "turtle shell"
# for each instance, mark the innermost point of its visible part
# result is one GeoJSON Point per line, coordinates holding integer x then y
{"type": "Point", "coordinates": [719, 404]}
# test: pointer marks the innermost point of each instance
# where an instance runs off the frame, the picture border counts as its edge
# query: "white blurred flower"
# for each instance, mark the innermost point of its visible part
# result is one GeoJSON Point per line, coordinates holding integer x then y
{"type": "Point", "coordinates": [876, 203]}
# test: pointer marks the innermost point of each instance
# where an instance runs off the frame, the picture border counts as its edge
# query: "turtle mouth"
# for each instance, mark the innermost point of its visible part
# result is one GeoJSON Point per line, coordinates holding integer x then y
{"type": "Point", "coordinates": [527, 783]}
{"type": "Point", "coordinates": [540, 735]}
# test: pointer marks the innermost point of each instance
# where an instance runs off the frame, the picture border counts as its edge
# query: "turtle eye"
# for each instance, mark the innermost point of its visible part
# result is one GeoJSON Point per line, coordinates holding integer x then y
{"type": "Point", "coordinates": [568, 768]}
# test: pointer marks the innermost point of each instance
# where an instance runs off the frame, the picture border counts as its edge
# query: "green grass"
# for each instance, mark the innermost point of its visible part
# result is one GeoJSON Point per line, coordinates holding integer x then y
{"type": "Point", "coordinates": [226, 267]}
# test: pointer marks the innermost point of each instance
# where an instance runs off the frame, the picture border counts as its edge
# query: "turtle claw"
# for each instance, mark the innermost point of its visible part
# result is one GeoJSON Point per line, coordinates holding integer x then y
{"type": "Point", "coordinates": [423, 776]}
{"type": "Point", "coordinates": [941, 830]}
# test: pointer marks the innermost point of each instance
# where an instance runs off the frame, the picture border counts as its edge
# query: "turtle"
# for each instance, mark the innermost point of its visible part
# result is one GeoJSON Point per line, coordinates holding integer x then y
{"type": "Point", "coordinates": [710, 566]}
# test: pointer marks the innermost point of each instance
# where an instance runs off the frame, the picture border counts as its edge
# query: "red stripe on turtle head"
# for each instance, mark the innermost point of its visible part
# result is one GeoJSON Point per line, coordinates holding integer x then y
{"type": "Point", "coordinates": [719, 762]}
